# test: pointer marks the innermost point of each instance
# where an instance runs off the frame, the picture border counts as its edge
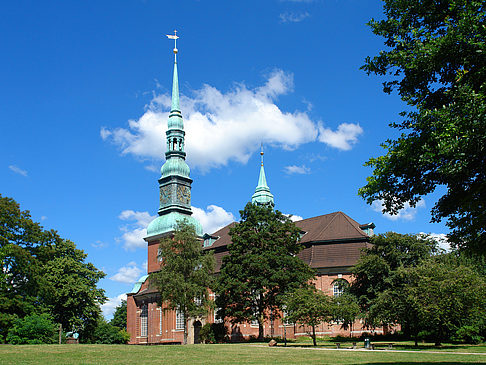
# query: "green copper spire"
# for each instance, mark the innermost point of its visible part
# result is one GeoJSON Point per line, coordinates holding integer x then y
{"type": "Point", "coordinates": [262, 195]}
{"type": "Point", "coordinates": [174, 182]}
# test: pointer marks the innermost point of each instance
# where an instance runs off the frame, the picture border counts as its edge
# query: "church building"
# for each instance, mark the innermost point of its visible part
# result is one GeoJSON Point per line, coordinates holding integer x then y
{"type": "Point", "coordinates": [331, 245]}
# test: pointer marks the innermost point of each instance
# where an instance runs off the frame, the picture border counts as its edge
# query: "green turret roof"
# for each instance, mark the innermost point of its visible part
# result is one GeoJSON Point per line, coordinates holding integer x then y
{"type": "Point", "coordinates": [262, 195]}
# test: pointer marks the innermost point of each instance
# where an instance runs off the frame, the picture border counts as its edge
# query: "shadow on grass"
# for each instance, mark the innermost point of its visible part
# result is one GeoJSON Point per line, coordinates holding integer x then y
{"type": "Point", "coordinates": [414, 363]}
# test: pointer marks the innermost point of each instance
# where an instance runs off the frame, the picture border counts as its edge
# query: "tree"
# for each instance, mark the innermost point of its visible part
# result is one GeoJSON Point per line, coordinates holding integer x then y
{"type": "Point", "coordinates": [120, 316]}
{"type": "Point", "coordinates": [435, 59]}
{"type": "Point", "coordinates": [106, 333]}
{"type": "Point", "coordinates": [376, 270]}
{"type": "Point", "coordinates": [262, 266]}
{"type": "Point", "coordinates": [185, 273]}
{"type": "Point", "coordinates": [33, 329]}
{"type": "Point", "coordinates": [310, 307]}
{"type": "Point", "coordinates": [441, 298]}
{"type": "Point", "coordinates": [44, 273]}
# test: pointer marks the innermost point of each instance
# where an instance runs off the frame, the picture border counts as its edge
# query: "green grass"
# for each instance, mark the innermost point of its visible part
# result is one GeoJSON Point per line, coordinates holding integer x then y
{"type": "Point", "coordinates": [221, 354]}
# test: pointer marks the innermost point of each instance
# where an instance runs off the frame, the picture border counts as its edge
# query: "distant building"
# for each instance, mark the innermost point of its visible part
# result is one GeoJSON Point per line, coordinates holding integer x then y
{"type": "Point", "coordinates": [331, 245]}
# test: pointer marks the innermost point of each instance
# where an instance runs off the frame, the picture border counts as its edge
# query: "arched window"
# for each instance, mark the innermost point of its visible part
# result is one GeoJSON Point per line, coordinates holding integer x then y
{"type": "Point", "coordinates": [337, 289]}
{"type": "Point", "coordinates": [143, 320]}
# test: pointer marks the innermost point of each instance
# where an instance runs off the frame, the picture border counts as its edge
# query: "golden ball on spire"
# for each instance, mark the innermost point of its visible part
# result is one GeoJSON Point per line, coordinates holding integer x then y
{"type": "Point", "coordinates": [175, 50]}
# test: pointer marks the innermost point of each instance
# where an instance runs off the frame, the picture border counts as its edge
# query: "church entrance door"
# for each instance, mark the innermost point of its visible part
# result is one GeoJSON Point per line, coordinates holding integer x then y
{"type": "Point", "coordinates": [197, 328]}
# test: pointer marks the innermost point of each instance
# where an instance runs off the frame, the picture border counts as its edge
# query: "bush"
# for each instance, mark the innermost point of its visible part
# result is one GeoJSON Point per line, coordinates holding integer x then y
{"type": "Point", "coordinates": [468, 334]}
{"type": "Point", "coordinates": [213, 333]}
{"type": "Point", "coordinates": [33, 329]}
{"type": "Point", "coordinates": [106, 333]}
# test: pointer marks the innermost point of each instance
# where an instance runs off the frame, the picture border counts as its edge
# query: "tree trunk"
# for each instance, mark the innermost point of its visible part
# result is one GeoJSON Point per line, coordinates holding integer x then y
{"type": "Point", "coordinates": [260, 327]}
{"type": "Point", "coordinates": [60, 333]}
{"type": "Point", "coordinates": [314, 335]}
{"type": "Point", "coordinates": [185, 329]}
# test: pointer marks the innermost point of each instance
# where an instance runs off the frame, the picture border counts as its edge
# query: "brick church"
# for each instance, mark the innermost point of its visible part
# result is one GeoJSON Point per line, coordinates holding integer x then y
{"type": "Point", "coordinates": [331, 245]}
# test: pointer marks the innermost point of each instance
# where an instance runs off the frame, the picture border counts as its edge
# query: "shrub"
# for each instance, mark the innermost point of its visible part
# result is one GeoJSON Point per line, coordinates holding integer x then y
{"type": "Point", "coordinates": [468, 334]}
{"type": "Point", "coordinates": [213, 333]}
{"type": "Point", "coordinates": [33, 329]}
{"type": "Point", "coordinates": [106, 333]}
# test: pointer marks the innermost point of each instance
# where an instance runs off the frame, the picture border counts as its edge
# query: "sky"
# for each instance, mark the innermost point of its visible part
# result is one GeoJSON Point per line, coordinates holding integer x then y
{"type": "Point", "coordinates": [85, 95]}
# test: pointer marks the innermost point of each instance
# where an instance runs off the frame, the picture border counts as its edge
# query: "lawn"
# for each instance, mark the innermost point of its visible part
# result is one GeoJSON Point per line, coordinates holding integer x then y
{"type": "Point", "coordinates": [221, 354]}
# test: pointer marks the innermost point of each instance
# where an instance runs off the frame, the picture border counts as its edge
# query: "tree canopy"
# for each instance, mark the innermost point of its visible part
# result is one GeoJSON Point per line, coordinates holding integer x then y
{"type": "Point", "coordinates": [435, 58]}
{"type": "Point", "coordinates": [262, 266]}
{"type": "Point", "coordinates": [309, 306]}
{"type": "Point", "coordinates": [185, 274]}
{"type": "Point", "coordinates": [44, 273]}
{"type": "Point", "coordinates": [377, 268]}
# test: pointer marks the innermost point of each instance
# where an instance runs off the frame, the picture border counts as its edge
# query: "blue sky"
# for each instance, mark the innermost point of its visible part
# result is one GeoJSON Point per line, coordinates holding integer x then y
{"type": "Point", "coordinates": [84, 102]}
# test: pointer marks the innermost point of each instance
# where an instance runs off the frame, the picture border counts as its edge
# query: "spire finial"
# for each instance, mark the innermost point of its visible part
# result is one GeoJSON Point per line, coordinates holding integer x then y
{"type": "Point", "coordinates": [261, 152]}
{"type": "Point", "coordinates": [175, 37]}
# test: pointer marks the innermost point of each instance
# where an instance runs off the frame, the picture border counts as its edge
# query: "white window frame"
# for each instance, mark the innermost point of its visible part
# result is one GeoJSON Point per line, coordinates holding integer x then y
{"type": "Point", "coordinates": [144, 320]}
{"type": "Point", "coordinates": [179, 325]}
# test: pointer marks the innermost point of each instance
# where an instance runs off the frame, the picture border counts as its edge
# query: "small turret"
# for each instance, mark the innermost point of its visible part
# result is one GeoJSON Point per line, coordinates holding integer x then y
{"type": "Point", "coordinates": [262, 195]}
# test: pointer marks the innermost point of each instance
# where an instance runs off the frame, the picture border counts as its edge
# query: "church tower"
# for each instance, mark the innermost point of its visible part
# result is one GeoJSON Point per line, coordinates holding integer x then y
{"type": "Point", "coordinates": [174, 182]}
{"type": "Point", "coordinates": [262, 195]}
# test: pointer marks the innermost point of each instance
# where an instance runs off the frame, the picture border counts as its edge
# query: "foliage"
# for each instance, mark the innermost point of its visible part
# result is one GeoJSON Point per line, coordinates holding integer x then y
{"type": "Point", "coordinates": [33, 329]}
{"type": "Point", "coordinates": [106, 333]}
{"type": "Point", "coordinates": [345, 309]}
{"type": "Point", "coordinates": [310, 307]}
{"type": "Point", "coordinates": [213, 333]}
{"type": "Point", "coordinates": [435, 59]}
{"type": "Point", "coordinates": [120, 316]}
{"type": "Point", "coordinates": [43, 273]}
{"type": "Point", "coordinates": [443, 300]}
{"type": "Point", "coordinates": [262, 266]}
{"type": "Point", "coordinates": [376, 269]}
{"type": "Point", "coordinates": [185, 273]}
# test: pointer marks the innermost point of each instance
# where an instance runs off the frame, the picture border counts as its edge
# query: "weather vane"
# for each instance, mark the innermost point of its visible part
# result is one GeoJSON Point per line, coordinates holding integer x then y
{"type": "Point", "coordinates": [175, 38]}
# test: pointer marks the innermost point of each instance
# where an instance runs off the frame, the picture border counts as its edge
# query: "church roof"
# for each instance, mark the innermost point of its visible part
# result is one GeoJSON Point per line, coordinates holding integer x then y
{"type": "Point", "coordinates": [335, 226]}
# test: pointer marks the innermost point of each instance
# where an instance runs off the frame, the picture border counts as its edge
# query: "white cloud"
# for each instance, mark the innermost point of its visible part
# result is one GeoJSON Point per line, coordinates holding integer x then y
{"type": "Point", "coordinates": [407, 213]}
{"type": "Point", "coordinates": [134, 232]}
{"type": "Point", "coordinates": [43, 218]}
{"type": "Point", "coordinates": [99, 244]}
{"type": "Point", "coordinates": [18, 170]}
{"type": "Point", "coordinates": [440, 238]}
{"type": "Point", "coordinates": [291, 17]}
{"type": "Point", "coordinates": [294, 218]}
{"type": "Point", "coordinates": [109, 307]}
{"type": "Point", "coordinates": [127, 274]}
{"type": "Point", "coordinates": [343, 139]}
{"type": "Point", "coordinates": [213, 218]}
{"type": "Point", "coordinates": [293, 169]}
{"type": "Point", "coordinates": [223, 127]}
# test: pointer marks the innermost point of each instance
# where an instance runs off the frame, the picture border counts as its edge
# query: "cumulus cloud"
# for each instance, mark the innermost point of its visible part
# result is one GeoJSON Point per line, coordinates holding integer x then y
{"type": "Point", "coordinates": [213, 218]}
{"type": "Point", "coordinates": [135, 230]}
{"type": "Point", "coordinates": [127, 274]}
{"type": "Point", "coordinates": [226, 126]}
{"type": "Point", "coordinates": [407, 213]}
{"type": "Point", "coordinates": [99, 244]}
{"type": "Point", "coordinates": [343, 138]}
{"type": "Point", "coordinates": [293, 169]}
{"type": "Point", "coordinates": [291, 17]}
{"type": "Point", "coordinates": [109, 307]}
{"type": "Point", "coordinates": [17, 170]}
{"type": "Point", "coordinates": [294, 218]}
{"type": "Point", "coordinates": [440, 238]}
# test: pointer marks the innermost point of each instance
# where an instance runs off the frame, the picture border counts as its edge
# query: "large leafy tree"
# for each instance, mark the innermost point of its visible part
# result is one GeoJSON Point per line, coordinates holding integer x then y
{"type": "Point", "coordinates": [377, 269]}
{"type": "Point", "coordinates": [185, 274]}
{"type": "Point", "coordinates": [435, 58]}
{"type": "Point", "coordinates": [440, 297]}
{"type": "Point", "coordinates": [120, 316]}
{"type": "Point", "coordinates": [310, 307]}
{"type": "Point", "coordinates": [262, 266]}
{"type": "Point", "coordinates": [43, 273]}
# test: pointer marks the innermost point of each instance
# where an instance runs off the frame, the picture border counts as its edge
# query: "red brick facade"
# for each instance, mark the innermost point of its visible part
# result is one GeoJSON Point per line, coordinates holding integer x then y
{"type": "Point", "coordinates": [332, 244]}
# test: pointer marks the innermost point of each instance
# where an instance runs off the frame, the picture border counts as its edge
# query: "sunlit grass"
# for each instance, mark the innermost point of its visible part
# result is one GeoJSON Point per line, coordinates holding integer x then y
{"type": "Point", "coordinates": [296, 353]}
